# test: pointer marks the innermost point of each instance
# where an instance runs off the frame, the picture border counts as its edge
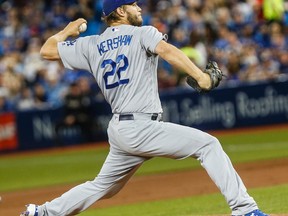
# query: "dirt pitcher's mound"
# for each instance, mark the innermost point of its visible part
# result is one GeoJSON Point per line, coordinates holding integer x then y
{"type": "Point", "coordinates": [156, 187]}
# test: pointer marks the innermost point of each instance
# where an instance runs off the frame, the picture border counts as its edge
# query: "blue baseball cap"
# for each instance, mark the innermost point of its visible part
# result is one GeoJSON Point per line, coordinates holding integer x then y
{"type": "Point", "coordinates": [110, 5]}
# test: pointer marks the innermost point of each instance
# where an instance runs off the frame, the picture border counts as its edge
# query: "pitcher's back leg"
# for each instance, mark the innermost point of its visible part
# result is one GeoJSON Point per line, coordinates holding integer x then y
{"type": "Point", "coordinates": [116, 171]}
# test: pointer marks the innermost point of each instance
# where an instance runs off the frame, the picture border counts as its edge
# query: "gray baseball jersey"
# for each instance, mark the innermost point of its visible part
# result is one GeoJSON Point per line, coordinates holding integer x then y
{"type": "Point", "coordinates": [124, 64]}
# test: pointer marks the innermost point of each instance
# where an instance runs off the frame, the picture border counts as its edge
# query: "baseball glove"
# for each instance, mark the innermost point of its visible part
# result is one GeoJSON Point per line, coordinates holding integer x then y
{"type": "Point", "coordinates": [215, 74]}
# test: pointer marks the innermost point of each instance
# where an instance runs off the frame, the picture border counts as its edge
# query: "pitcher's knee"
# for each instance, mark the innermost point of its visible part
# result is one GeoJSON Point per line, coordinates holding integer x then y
{"type": "Point", "coordinates": [212, 145]}
{"type": "Point", "coordinates": [108, 189]}
{"type": "Point", "coordinates": [110, 193]}
{"type": "Point", "coordinates": [215, 141]}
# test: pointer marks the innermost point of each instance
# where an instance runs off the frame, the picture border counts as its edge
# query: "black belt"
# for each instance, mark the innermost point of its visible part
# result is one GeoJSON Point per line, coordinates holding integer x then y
{"type": "Point", "coordinates": [123, 117]}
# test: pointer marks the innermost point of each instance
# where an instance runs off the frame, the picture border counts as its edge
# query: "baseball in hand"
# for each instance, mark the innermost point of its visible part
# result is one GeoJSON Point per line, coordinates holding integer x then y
{"type": "Point", "coordinates": [83, 27]}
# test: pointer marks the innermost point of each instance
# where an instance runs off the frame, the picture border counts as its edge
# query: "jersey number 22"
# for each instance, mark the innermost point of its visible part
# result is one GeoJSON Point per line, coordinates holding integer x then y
{"type": "Point", "coordinates": [120, 59]}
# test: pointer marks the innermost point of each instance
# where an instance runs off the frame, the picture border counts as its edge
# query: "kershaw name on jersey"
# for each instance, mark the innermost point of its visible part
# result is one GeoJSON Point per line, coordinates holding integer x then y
{"type": "Point", "coordinates": [114, 43]}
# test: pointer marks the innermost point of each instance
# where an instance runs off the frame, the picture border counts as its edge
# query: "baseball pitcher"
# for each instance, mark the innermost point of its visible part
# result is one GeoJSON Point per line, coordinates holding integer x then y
{"type": "Point", "coordinates": [123, 60]}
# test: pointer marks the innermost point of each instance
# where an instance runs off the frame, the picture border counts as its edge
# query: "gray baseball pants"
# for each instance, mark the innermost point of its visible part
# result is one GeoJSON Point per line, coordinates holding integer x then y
{"type": "Point", "coordinates": [132, 142]}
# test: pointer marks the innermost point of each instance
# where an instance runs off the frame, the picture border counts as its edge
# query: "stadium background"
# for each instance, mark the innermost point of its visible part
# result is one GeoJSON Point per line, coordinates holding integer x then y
{"type": "Point", "coordinates": [247, 38]}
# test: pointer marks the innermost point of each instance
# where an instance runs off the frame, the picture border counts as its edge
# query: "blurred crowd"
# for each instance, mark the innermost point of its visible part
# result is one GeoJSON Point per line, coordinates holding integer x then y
{"type": "Point", "coordinates": [247, 38]}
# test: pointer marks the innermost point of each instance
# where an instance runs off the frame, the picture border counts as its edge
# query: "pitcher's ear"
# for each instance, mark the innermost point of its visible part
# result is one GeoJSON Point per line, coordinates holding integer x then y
{"type": "Point", "coordinates": [120, 11]}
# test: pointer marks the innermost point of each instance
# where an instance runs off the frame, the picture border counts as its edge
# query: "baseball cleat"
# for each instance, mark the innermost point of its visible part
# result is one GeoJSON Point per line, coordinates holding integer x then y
{"type": "Point", "coordinates": [31, 210]}
{"type": "Point", "coordinates": [256, 212]}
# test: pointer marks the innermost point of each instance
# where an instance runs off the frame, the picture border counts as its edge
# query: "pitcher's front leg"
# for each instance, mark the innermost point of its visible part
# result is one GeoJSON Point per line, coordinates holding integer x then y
{"type": "Point", "coordinates": [221, 171]}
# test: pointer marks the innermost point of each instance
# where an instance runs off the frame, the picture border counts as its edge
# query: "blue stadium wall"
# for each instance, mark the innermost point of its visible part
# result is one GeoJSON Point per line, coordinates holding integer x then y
{"type": "Point", "coordinates": [223, 108]}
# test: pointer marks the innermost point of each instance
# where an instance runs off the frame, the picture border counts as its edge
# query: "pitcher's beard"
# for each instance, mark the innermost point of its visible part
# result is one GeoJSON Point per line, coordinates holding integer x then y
{"type": "Point", "coordinates": [134, 20]}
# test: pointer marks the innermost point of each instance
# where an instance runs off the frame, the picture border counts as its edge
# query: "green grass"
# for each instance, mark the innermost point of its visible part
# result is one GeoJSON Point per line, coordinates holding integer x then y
{"type": "Point", "coordinates": [81, 165]}
{"type": "Point", "coordinates": [255, 137]}
{"type": "Point", "coordinates": [213, 204]}
{"type": "Point", "coordinates": [50, 169]}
